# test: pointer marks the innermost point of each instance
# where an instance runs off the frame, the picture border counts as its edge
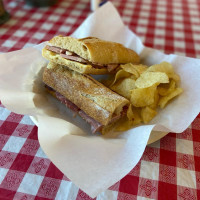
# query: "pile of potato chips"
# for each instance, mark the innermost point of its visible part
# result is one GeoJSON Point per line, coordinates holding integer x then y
{"type": "Point", "coordinates": [147, 88]}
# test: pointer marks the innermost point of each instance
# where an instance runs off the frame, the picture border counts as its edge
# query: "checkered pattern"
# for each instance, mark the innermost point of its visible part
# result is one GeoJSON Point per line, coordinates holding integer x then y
{"type": "Point", "coordinates": [168, 169]}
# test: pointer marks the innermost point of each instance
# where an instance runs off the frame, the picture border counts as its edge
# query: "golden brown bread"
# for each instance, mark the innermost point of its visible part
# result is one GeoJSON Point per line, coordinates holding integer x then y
{"type": "Point", "coordinates": [89, 95]}
{"type": "Point", "coordinates": [77, 66]}
{"type": "Point", "coordinates": [100, 56]}
{"type": "Point", "coordinates": [96, 50]}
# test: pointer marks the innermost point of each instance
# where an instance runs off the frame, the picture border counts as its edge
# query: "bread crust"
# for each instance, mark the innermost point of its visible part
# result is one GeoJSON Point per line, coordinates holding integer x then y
{"type": "Point", "coordinates": [89, 95]}
{"type": "Point", "coordinates": [97, 50]}
{"type": "Point", "coordinates": [76, 66]}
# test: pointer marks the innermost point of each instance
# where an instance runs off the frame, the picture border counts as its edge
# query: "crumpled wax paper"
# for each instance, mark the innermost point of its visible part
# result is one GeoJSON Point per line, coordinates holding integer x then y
{"type": "Point", "coordinates": [94, 162]}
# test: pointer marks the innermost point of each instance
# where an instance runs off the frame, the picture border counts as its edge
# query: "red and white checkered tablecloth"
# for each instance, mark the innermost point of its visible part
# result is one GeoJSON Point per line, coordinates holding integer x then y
{"type": "Point", "coordinates": [168, 169]}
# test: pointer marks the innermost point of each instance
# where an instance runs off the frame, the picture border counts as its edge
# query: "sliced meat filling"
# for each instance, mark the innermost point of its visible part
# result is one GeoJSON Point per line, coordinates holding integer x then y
{"type": "Point", "coordinates": [68, 103]}
{"type": "Point", "coordinates": [95, 125]}
{"type": "Point", "coordinates": [74, 57]}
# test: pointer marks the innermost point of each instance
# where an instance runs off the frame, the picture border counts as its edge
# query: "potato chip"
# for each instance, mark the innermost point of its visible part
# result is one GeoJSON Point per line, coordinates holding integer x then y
{"type": "Point", "coordinates": [141, 97]}
{"type": "Point", "coordinates": [129, 68]}
{"type": "Point", "coordinates": [108, 81]}
{"type": "Point", "coordinates": [133, 118]}
{"type": "Point", "coordinates": [165, 89]}
{"type": "Point", "coordinates": [124, 124]}
{"type": "Point", "coordinates": [140, 68]}
{"type": "Point", "coordinates": [146, 88]}
{"type": "Point", "coordinates": [147, 114]}
{"type": "Point", "coordinates": [123, 87]}
{"type": "Point", "coordinates": [164, 100]}
{"type": "Point", "coordinates": [120, 74]}
{"type": "Point", "coordinates": [166, 68]}
{"type": "Point", "coordinates": [175, 77]}
{"type": "Point", "coordinates": [136, 70]}
{"type": "Point", "coordinates": [130, 114]}
{"type": "Point", "coordinates": [148, 79]}
{"type": "Point", "coordinates": [133, 77]}
{"type": "Point", "coordinates": [110, 127]}
{"type": "Point", "coordinates": [133, 114]}
{"type": "Point", "coordinates": [156, 99]}
{"type": "Point", "coordinates": [162, 67]}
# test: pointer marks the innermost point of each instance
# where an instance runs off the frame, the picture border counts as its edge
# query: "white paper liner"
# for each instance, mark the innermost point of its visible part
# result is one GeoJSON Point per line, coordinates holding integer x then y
{"type": "Point", "coordinates": [93, 162]}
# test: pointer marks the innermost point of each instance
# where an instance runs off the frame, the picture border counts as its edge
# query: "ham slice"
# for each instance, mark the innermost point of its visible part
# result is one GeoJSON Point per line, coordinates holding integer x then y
{"type": "Point", "coordinates": [95, 125]}
{"type": "Point", "coordinates": [74, 57]}
{"type": "Point", "coordinates": [68, 103]}
{"type": "Point", "coordinates": [55, 49]}
{"type": "Point", "coordinates": [66, 54]}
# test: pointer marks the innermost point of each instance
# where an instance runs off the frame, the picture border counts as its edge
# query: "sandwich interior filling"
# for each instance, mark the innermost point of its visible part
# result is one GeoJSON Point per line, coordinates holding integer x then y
{"type": "Point", "coordinates": [95, 125]}
{"type": "Point", "coordinates": [74, 57]}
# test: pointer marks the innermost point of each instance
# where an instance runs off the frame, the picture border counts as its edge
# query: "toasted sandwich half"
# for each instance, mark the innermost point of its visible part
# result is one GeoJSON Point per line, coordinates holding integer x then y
{"type": "Point", "coordinates": [94, 102]}
{"type": "Point", "coordinates": [88, 55]}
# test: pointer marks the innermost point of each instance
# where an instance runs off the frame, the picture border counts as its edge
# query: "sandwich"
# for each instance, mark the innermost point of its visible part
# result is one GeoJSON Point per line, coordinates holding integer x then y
{"type": "Point", "coordinates": [88, 55]}
{"type": "Point", "coordinates": [98, 105]}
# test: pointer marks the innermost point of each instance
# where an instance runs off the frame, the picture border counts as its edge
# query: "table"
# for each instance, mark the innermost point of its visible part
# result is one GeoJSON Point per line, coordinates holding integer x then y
{"type": "Point", "coordinates": [168, 169]}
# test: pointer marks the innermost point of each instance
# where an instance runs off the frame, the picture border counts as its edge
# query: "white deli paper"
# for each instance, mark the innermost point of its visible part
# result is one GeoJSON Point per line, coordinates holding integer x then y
{"type": "Point", "coordinates": [93, 162]}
